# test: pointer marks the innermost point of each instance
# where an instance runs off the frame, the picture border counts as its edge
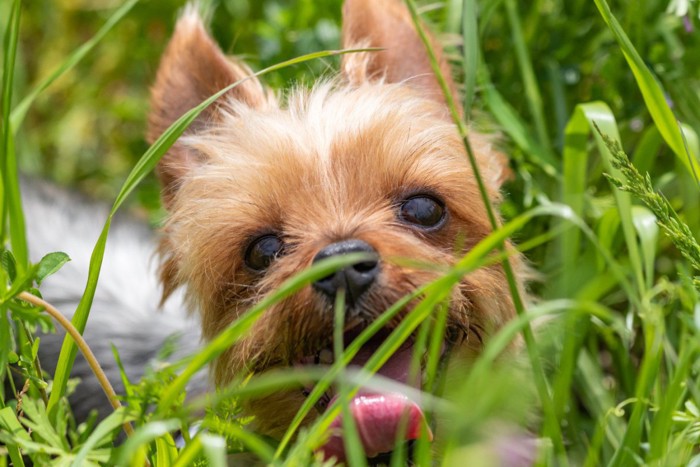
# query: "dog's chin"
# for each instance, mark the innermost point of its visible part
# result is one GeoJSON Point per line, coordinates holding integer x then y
{"type": "Point", "coordinates": [384, 418]}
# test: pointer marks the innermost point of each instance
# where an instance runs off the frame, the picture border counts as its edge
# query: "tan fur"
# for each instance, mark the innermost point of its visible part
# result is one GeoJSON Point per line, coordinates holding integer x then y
{"type": "Point", "coordinates": [331, 164]}
{"type": "Point", "coordinates": [387, 24]}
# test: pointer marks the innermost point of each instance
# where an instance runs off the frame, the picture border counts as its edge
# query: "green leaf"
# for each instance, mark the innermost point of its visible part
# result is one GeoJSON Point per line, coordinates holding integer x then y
{"type": "Point", "coordinates": [35, 348]}
{"type": "Point", "coordinates": [49, 264]}
{"type": "Point", "coordinates": [11, 426]}
{"type": "Point", "coordinates": [101, 434]}
{"type": "Point", "coordinates": [38, 421]}
{"type": "Point", "coordinates": [8, 263]}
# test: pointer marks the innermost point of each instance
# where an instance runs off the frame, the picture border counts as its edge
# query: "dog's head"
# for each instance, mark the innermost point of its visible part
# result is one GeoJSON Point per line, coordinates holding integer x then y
{"type": "Point", "coordinates": [369, 162]}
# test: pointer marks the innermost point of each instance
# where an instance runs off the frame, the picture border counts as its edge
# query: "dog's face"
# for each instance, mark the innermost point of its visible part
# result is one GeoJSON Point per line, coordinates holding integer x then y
{"type": "Point", "coordinates": [370, 162]}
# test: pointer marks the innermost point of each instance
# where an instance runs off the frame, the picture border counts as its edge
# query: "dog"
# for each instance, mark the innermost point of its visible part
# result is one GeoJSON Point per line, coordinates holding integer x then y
{"type": "Point", "coordinates": [262, 186]}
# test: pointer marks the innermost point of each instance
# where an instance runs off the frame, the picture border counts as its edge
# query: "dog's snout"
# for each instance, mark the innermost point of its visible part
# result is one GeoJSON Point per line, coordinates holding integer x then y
{"type": "Point", "coordinates": [356, 278]}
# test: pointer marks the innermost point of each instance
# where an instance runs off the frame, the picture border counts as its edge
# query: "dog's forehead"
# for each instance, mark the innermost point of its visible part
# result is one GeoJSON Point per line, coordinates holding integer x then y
{"type": "Point", "coordinates": [331, 145]}
{"type": "Point", "coordinates": [331, 162]}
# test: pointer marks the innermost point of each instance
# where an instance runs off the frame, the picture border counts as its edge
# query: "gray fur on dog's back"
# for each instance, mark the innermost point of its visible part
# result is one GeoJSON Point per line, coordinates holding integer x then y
{"type": "Point", "coordinates": [125, 312]}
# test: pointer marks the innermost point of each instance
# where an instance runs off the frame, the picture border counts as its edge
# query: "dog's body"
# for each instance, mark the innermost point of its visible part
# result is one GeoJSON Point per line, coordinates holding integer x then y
{"type": "Point", "coordinates": [257, 191]}
{"type": "Point", "coordinates": [126, 311]}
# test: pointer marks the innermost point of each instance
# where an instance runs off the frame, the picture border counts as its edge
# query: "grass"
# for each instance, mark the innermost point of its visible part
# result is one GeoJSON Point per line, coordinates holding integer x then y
{"type": "Point", "coordinates": [598, 107]}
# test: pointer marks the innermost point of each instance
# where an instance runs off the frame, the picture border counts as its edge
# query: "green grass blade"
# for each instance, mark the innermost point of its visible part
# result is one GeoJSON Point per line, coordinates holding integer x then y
{"type": "Point", "coordinates": [652, 92]}
{"type": "Point", "coordinates": [646, 376]}
{"type": "Point", "coordinates": [257, 385]}
{"type": "Point", "coordinates": [470, 52]}
{"type": "Point", "coordinates": [351, 437]}
{"type": "Point", "coordinates": [498, 343]}
{"type": "Point", "coordinates": [600, 403]}
{"type": "Point", "coordinates": [661, 424]}
{"type": "Point", "coordinates": [142, 436]}
{"type": "Point", "coordinates": [532, 90]}
{"type": "Point", "coordinates": [18, 234]}
{"type": "Point", "coordinates": [518, 131]}
{"type": "Point", "coordinates": [166, 450]}
{"type": "Point", "coordinates": [69, 350]}
{"type": "Point", "coordinates": [190, 453]}
{"type": "Point", "coordinates": [644, 156]}
{"type": "Point", "coordinates": [20, 111]}
{"type": "Point", "coordinates": [573, 189]}
{"type": "Point", "coordinates": [8, 68]}
{"type": "Point", "coordinates": [648, 232]}
{"type": "Point", "coordinates": [214, 448]}
{"type": "Point", "coordinates": [575, 170]}
{"type": "Point", "coordinates": [586, 117]}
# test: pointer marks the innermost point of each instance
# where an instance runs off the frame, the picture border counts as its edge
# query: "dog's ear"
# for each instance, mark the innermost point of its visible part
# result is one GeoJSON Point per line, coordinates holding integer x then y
{"type": "Point", "coordinates": [388, 24]}
{"type": "Point", "coordinates": [193, 68]}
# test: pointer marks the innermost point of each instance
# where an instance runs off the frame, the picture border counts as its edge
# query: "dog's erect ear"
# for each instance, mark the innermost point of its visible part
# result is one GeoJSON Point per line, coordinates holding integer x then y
{"type": "Point", "coordinates": [387, 24]}
{"type": "Point", "coordinates": [193, 68]}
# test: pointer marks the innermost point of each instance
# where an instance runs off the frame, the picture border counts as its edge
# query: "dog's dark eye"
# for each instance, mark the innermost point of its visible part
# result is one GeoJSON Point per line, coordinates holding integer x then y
{"type": "Point", "coordinates": [422, 210]}
{"type": "Point", "coordinates": [262, 251]}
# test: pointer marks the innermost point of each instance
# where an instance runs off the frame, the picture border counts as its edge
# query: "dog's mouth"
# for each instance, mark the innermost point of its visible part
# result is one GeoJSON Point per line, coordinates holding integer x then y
{"type": "Point", "coordinates": [383, 418]}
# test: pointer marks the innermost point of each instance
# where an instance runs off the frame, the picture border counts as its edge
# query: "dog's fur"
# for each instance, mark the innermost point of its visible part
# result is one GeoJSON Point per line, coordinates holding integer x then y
{"type": "Point", "coordinates": [126, 311]}
{"type": "Point", "coordinates": [326, 165]}
{"type": "Point", "coordinates": [319, 166]}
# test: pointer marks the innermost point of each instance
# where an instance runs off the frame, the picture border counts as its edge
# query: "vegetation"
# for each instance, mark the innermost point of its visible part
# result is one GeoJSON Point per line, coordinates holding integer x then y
{"type": "Point", "coordinates": [610, 372]}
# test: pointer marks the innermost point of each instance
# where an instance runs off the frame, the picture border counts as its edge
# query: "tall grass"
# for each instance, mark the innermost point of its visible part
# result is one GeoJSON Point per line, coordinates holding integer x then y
{"type": "Point", "coordinates": [610, 376]}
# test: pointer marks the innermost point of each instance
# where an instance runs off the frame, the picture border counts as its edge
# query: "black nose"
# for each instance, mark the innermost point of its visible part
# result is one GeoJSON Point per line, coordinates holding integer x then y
{"type": "Point", "coordinates": [356, 279]}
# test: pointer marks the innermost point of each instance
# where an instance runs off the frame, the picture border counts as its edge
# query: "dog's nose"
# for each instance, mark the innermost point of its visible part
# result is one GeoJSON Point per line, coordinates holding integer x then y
{"type": "Point", "coordinates": [356, 278]}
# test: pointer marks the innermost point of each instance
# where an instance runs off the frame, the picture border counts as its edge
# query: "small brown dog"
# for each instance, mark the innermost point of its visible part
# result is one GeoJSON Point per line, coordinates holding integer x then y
{"type": "Point", "coordinates": [258, 190]}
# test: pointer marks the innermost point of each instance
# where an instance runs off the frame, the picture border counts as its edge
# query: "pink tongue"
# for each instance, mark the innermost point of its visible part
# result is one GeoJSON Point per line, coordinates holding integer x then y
{"type": "Point", "coordinates": [379, 416]}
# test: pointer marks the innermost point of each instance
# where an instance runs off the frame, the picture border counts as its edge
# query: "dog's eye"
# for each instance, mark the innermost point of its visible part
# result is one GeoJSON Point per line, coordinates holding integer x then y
{"type": "Point", "coordinates": [262, 251]}
{"type": "Point", "coordinates": [422, 210]}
